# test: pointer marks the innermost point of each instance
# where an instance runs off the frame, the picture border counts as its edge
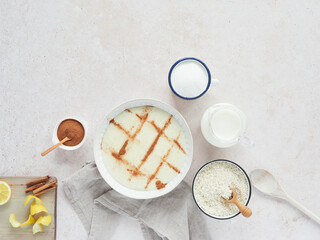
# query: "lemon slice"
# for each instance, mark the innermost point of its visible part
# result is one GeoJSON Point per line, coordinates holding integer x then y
{"type": "Point", "coordinates": [16, 224]}
{"type": "Point", "coordinates": [5, 192]}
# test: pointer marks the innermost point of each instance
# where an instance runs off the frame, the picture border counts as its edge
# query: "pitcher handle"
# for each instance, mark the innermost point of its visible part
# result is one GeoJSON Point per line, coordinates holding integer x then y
{"type": "Point", "coordinates": [246, 141]}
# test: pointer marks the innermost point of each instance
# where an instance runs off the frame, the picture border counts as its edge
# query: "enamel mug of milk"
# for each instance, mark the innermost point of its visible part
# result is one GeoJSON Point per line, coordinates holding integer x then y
{"type": "Point", "coordinates": [223, 125]}
{"type": "Point", "coordinates": [189, 78]}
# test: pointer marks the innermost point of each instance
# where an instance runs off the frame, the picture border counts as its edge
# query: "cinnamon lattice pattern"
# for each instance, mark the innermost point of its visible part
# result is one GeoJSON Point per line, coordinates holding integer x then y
{"type": "Point", "coordinates": [134, 170]}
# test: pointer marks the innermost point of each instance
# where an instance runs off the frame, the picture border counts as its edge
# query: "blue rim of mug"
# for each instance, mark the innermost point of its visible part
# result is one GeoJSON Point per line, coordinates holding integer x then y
{"type": "Point", "coordinates": [184, 59]}
{"type": "Point", "coordinates": [247, 177]}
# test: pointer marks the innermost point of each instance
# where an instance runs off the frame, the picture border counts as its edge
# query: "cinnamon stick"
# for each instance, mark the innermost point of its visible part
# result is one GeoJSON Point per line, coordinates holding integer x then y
{"type": "Point", "coordinates": [38, 180]}
{"type": "Point", "coordinates": [46, 190]}
{"type": "Point", "coordinates": [36, 191]}
{"type": "Point", "coordinates": [30, 189]}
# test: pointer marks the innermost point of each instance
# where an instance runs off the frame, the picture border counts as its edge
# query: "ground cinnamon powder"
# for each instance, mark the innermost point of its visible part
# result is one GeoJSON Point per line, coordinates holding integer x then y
{"type": "Point", "coordinates": [160, 185]}
{"type": "Point", "coordinates": [72, 129]}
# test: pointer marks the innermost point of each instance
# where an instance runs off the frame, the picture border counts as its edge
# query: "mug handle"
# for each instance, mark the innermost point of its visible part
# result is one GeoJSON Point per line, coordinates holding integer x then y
{"type": "Point", "coordinates": [215, 81]}
{"type": "Point", "coordinates": [246, 141]}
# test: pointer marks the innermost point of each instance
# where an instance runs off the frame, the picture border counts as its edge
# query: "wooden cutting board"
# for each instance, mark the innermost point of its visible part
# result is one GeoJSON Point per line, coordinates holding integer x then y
{"type": "Point", "coordinates": [16, 206]}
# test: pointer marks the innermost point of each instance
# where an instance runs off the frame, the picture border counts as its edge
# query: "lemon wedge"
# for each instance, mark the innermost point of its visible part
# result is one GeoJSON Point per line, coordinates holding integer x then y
{"type": "Point", "coordinates": [5, 192]}
{"type": "Point", "coordinates": [16, 224]}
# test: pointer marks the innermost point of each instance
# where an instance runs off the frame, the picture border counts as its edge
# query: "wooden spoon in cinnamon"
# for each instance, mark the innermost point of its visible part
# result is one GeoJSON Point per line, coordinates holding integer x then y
{"type": "Point", "coordinates": [55, 146]}
{"type": "Point", "coordinates": [245, 211]}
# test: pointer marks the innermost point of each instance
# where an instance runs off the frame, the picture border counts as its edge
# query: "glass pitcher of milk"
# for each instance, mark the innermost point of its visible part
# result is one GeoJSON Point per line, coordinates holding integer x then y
{"type": "Point", "coordinates": [223, 125]}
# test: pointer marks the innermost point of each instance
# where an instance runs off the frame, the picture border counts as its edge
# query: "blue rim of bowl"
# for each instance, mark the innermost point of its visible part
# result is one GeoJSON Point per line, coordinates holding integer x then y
{"type": "Point", "coordinates": [184, 59]}
{"type": "Point", "coordinates": [221, 160]}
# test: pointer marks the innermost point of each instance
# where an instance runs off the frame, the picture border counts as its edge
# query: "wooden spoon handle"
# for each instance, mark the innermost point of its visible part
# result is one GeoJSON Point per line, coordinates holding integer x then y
{"type": "Point", "coordinates": [54, 146]}
{"type": "Point", "coordinates": [303, 209]}
{"type": "Point", "coordinates": [245, 211]}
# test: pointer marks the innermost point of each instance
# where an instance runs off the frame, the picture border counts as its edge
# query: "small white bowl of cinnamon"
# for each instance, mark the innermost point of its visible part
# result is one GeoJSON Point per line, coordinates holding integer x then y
{"type": "Point", "coordinates": [74, 129]}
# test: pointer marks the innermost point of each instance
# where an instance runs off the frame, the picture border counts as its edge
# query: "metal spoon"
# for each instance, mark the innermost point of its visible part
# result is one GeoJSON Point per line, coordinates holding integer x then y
{"type": "Point", "coordinates": [266, 183]}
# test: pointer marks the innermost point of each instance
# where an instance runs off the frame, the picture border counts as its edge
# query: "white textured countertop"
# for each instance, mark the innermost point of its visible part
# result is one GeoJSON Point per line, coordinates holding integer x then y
{"type": "Point", "coordinates": [80, 58]}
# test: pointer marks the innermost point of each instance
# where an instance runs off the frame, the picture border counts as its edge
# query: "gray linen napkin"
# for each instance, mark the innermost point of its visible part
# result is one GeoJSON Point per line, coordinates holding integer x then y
{"type": "Point", "coordinates": [173, 216]}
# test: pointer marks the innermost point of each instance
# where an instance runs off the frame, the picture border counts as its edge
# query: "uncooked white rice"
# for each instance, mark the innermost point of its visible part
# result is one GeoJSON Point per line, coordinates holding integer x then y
{"type": "Point", "coordinates": [213, 181]}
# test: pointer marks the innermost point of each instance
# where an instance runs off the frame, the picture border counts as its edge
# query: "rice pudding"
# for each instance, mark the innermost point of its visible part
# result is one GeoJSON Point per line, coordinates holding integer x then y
{"type": "Point", "coordinates": [143, 148]}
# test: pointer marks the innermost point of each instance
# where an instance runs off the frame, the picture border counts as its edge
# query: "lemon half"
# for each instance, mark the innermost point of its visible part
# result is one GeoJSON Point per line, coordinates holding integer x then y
{"type": "Point", "coordinates": [5, 192]}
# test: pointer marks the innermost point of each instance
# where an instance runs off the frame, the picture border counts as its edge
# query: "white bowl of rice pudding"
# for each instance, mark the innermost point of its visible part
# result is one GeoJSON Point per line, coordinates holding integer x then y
{"type": "Point", "coordinates": [143, 149]}
{"type": "Point", "coordinates": [212, 183]}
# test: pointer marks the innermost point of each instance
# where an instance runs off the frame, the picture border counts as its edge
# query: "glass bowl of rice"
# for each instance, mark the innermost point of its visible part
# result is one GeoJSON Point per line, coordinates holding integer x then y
{"type": "Point", "coordinates": [213, 181]}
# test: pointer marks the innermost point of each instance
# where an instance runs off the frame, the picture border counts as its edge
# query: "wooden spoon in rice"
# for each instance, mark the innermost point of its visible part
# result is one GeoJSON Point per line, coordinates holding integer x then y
{"type": "Point", "coordinates": [245, 211]}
